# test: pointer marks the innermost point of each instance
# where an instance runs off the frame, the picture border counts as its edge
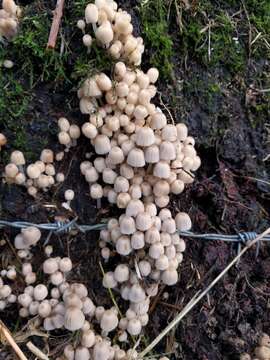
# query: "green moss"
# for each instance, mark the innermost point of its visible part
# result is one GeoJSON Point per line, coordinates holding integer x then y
{"type": "Point", "coordinates": [156, 35]}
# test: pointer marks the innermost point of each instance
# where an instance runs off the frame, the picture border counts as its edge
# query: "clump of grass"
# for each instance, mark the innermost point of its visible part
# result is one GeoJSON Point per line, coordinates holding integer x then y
{"type": "Point", "coordinates": [155, 31]}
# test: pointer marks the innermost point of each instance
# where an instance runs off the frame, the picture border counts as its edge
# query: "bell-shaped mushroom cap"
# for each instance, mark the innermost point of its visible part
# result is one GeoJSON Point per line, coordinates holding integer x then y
{"type": "Point", "coordinates": [44, 309]}
{"type": "Point", "coordinates": [123, 246]}
{"type": "Point", "coordinates": [153, 75]}
{"type": "Point", "coordinates": [127, 225]}
{"type": "Point", "coordinates": [82, 353]}
{"type": "Point", "coordinates": [88, 338]}
{"type": "Point", "coordinates": [121, 273]}
{"type": "Point", "coordinates": [47, 155]}
{"type": "Point", "coordinates": [158, 120]}
{"type": "Point", "coordinates": [104, 82]}
{"type": "Point", "coordinates": [11, 170]}
{"type": "Point", "coordinates": [102, 144]}
{"type": "Point", "coordinates": [262, 352]}
{"type": "Point", "coordinates": [134, 207]}
{"type": "Point", "coordinates": [101, 351]}
{"type": "Point", "coordinates": [134, 327]}
{"type": "Point", "coordinates": [31, 235]}
{"type": "Point", "coordinates": [17, 158]}
{"type": "Point", "coordinates": [69, 352]}
{"type": "Point", "coordinates": [145, 136]}
{"type": "Point", "coordinates": [109, 321]}
{"type": "Point", "coordinates": [183, 221]}
{"type": "Point", "coordinates": [162, 170]}
{"type": "Point", "coordinates": [151, 154]}
{"type": "Point", "coordinates": [182, 131]}
{"type": "Point", "coordinates": [136, 293]}
{"type": "Point", "coordinates": [143, 221]}
{"type": "Point", "coordinates": [74, 319]}
{"type": "Point", "coordinates": [169, 276]}
{"type": "Point", "coordinates": [109, 281]}
{"type": "Point", "coordinates": [65, 264]}
{"type": "Point", "coordinates": [91, 14]}
{"type": "Point", "coordinates": [136, 158]}
{"type": "Point", "coordinates": [104, 33]}
{"type": "Point", "coordinates": [167, 151]}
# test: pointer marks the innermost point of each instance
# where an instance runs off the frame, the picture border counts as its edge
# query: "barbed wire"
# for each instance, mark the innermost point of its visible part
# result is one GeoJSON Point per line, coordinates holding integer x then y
{"type": "Point", "coordinates": [67, 226]}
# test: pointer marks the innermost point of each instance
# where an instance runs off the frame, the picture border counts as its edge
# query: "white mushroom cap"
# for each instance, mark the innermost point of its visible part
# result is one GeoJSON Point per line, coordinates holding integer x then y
{"type": "Point", "coordinates": [69, 352]}
{"type": "Point", "coordinates": [89, 130]}
{"type": "Point", "coordinates": [50, 266]}
{"type": "Point", "coordinates": [123, 246]}
{"type": "Point", "coordinates": [82, 353]}
{"type": "Point", "coordinates": [88, 306]}
{"type": "Point", "coordinates": [17, 157]}
{"type": "Point", "coordinates": [64, 138]}
{"type": "Point", "coordinates": [104, 33]}
{"type": "Point", "coordinates": [109, 281]}
{"type": "Point", "coordinates": [31, 235]}
{"type": "Point", "coordinates": [136, 158]}
{"type": "Point", "coordinates": [136, 293]}
{"type": "Point", "coordinates": [101, 351]}
{"type": "Point", "coordinates": [74, 319]}
{"type": "Point", "coordinates": [91, 14]}
{"type": "Point", "coordinates": [152, 235]}
{"type": "Point", "coordinates": [182, 131]}
{"type": "Point", "coordinates": [151, 154]}
{"type": "Point", "coordinates": [65, 264]}
{"type": "Point", "coordinates": [64, 126]}
{"type": "Point", "coordinates": [121, 273]}
{"type": "Point", "coordinates": [11, 170]}
{"type": "Point", "coordinates": [102, 144]}
{"type": "Point", "coordinates": [167, 151]}
{"type": "Point", "coordinates": [137, 240]}
{"type": "Point", "coordinates": [30, 278]}
{"type": "Point", "coordinates": [145, 267]}
{"type": "Point", "coordinates": [134, 327]}
{"type": "Point", "coordinates": [109, 321]}
{"type": "Point", "coordinates": [88, 338]}
{"type": "Point", "coordinates": [127, 225]}
{"type": "Point", "coordinates": [169, 226]}
{"type": "Point", "coordinates": [153, 75]}
{"type": "Point", "coordinates": [40, 292]}
{"type": "Point", "coordinates": [134, 207]}
{"type": "Point", "coordinates": [169, 276]}
{"type": "Point", "coordinates": [156, 250]}
{"type": "Point", "coordinates": [169, 133]}
{"type": "Point", "coordinates": [183, 221]}
{"type": "Point", "coordinates": [47, 156]}
{"type": "Point", "coordinates": [143, 221]}
{"type": "Point", "coordinates": [96, 191]}
{"type": "Point", "coordinates": [162, 263]}
{"type": "Point", "coordinates": [69, 195]}
{"type": "Point", "coordinates": [33, 171]}
{"type": "Point", "coordinates": [57, 278]}
{"type": "Point", "coordinates": [177, 187]}
{"type": "Point", "coordinates": [162, 170]}
{"type": "Point", "coordinates": [91, 175]}
{"type": "Point", "coordinates": [158, 121]}
{"type": "Point", "coordinates": [23, 299]}
{"type": "Point", "coordinates": [145, 136]}
{"type": "Point", "coordinates": [44, 309]}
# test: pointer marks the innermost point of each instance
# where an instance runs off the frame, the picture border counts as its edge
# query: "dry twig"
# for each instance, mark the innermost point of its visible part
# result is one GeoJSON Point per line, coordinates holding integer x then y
{"type": "Point", "coordinates": [38, 353]}
{"type": "Point", "coordinates": [58, 13]}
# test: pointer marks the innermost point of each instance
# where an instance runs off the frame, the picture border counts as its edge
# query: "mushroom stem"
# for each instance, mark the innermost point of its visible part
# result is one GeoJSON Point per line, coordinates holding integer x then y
{"type": "Point", "coordinates": [94, 28]}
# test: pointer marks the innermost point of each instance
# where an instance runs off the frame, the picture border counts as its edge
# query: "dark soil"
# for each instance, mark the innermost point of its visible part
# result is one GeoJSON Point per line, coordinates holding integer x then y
{"type": "Point", "coordinates": [230, 194]}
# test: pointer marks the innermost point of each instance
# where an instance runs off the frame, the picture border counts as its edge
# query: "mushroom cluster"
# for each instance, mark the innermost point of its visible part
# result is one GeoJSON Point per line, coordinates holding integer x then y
{"type": "Point", "coordinates": [6, 295]}
{"type": "Point", "coordinates": [140, 155]}
{"type": "Point", "coordinates": [113, 30]}
{"type": "Point", "coordinates": [39, 175]}
{"type": "Point", "coordinates": [68, 134]}
{"type": "Point", "coordinates": [153, 248]}
{"type": "Point", "coordinates": [9, 19]}
{"type": "Point", "coordinates": [262, 352]}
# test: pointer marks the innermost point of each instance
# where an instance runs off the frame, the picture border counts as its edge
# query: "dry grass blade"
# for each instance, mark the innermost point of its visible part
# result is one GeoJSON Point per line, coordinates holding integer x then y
{"type": "Point", "coordinates": [38, 353]}
{"type": "Point", "coordinates": [200, 295]}
{"type": "Point", "coordinates": [4, 332]}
